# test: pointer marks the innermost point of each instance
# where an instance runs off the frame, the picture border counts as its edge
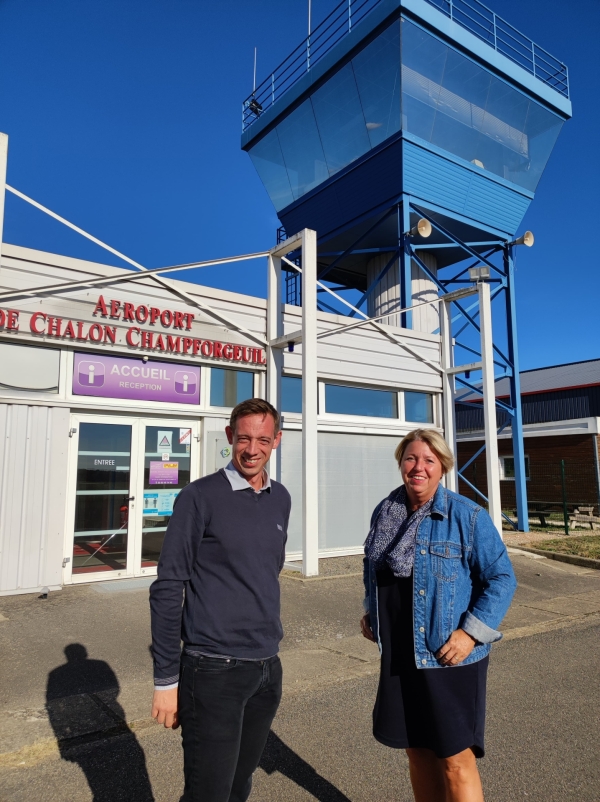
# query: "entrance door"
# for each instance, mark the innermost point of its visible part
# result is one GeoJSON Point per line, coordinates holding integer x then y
{"type": "Point", "coordinates": [167, 469]}
{"type": "Point", "coordinates": [127, 473]}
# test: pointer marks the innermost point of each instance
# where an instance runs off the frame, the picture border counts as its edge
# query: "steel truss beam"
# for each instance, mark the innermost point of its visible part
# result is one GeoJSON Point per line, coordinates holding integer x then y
{"type": "Point", "coordinates": [501, 281]}
{"type": "Point", "coordinates": [152, 274]}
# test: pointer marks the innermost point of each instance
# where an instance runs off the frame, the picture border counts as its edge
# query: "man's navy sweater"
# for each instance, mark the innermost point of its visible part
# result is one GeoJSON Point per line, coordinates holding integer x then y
{"type": "Point", "coordinates": [225, 548]}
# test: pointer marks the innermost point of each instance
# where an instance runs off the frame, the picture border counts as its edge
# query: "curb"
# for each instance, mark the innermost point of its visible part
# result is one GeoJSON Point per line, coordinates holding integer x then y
{"type": "Point", "coordinates": [572, 559]}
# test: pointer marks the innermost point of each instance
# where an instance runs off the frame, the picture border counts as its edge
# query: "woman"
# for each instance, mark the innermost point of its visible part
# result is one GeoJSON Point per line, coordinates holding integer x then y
{"type": "Point", "coordinates": [438, 583]}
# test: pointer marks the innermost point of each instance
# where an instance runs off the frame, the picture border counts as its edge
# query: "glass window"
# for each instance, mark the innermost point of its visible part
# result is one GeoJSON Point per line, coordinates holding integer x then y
{"type": "Point", "coordinates": [302, 150]}
{"type": "Point", "coordinates": [267, 158]}
{"type": "Point", "coordinates": [291, 394]}
{"type": "Point", "coordinates": [230, 387]}
{"type": "Point", "coordinates": [163, 480]}
{"type": "Point", "coordinates": [343, 400]}
{"type": "Point", "coordinates": [377, 73]}
{"type": "Point", "coordinates": [102, 498]}
{"type": "Point", "coordinates": [340, 120]}
{"type": "Point", "coordinates": [507, 468]}
{"type": "Point", "coordinates": [24, 367]}
{"type": "Point", "coordinates": [452, 102]}
{"type": "Point", "coordinates": [418, 407]}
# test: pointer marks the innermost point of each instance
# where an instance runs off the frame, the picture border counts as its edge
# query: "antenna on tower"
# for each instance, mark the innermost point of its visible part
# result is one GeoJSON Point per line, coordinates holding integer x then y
{"type": "Point", "coordinates": [252, 103]}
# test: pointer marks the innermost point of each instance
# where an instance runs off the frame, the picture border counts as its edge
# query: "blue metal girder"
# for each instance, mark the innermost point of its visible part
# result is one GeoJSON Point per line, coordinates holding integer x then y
{"type": "Point", "coordinates": [349, 250]}
{"type": "Point", "coordinates": [478, 390]}
{"type": "Point", "coordinates": [515, 396]}
{"type": "Point", "coordinates": [405, 264]}
{"type": "Point", "coordinates": [454, 238]}
{"type": "Point", "coordinates": [436, 281]}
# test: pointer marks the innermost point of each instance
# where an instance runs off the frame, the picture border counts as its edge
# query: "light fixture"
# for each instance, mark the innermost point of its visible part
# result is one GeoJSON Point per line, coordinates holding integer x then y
{"type": "Point", "coordinates": [145, 358]}
{"type": "Point", "coordinates": [422, 229]}
{"type": "Point", "coordinates": [479, 273]}
{"type": "Point", "coordinates": [255, 107]}
{"type": "Point", "coordinates": [527, 239]}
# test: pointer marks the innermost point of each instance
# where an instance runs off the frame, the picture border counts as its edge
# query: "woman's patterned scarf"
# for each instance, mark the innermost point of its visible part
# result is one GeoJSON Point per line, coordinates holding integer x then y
{"type": "Point", "coordinates": [392, 538]}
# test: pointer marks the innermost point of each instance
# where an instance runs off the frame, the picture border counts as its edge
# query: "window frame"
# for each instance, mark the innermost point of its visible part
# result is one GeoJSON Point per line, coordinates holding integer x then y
{"type": "Point", "coordinates": [502, 469]}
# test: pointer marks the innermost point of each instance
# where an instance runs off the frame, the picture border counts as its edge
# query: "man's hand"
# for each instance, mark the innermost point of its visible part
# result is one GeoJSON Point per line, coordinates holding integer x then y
{"type": "Point", "coordinates": [365, 627]}
{"type": "Point", "coordinates": [164, 708]}
{"type": "Point", "coordinates": [456, 649]}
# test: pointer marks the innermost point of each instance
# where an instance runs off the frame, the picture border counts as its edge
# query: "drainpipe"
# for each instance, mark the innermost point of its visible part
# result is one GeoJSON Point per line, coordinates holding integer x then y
{"type": "Point", "coordinates": [597, 461]}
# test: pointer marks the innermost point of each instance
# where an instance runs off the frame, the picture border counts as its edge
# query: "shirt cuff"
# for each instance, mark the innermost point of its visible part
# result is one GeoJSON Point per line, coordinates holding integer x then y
{"type": "Point", "coordinates": [478, 630]}
{"type": "Point", "coordinates": [166, 683]}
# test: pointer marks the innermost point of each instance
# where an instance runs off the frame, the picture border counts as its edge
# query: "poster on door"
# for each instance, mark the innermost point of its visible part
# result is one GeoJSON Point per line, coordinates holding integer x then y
{"type": "Point", "coordinates": [159, 502]}
{"type": "Point", "coordinates": [119, 377]}
{"type": "Point", "coordinates": [164, 473]}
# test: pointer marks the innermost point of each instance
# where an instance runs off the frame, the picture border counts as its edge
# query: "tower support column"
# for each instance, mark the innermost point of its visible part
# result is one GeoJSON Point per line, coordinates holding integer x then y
{"type": "Point", "coordinates": [310, 455]}
{"type": "Point", "coordinates": [489, 406]}
{"type": "Point", "coordinates": [515, 395]}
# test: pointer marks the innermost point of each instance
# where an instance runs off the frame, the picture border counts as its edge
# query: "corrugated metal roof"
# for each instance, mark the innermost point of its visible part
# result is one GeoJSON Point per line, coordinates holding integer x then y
{"type": "Point", "coordinates": [554, 377]}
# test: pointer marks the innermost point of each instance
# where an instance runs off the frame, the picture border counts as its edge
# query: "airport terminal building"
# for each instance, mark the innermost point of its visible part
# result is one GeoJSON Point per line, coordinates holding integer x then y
{"type": "Point", "coordinates": [114, 397]}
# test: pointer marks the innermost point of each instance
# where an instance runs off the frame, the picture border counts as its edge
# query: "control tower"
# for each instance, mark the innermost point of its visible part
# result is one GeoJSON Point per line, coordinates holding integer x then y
{"type": "Point", "coordinates": [395, 111]}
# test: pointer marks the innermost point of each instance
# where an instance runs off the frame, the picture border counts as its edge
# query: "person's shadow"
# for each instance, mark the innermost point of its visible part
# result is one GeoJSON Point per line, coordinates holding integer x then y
{"type": "Point", "coordinates": [81, 701]}
{"type": "Point", "coordinates": [279, 757]}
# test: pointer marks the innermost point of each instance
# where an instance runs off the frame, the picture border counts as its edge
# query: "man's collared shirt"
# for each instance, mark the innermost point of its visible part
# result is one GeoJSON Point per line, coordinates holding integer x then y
{"type": "Point", "coordinates": [239, 482]}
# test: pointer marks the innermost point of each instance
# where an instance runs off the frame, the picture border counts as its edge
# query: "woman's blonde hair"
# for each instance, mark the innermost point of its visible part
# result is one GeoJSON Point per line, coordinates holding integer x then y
{"type": "Point", "coordinates": [434, 440]}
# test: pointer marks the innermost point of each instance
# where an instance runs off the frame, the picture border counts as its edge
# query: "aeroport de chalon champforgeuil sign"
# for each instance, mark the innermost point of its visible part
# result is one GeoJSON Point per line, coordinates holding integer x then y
{"type": "Point", "coordinates": [136, 337]}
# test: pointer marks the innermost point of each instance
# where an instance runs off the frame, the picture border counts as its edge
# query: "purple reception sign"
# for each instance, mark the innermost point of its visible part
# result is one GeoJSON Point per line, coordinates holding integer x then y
{"type": "Point", "coordinates": [118, 377]}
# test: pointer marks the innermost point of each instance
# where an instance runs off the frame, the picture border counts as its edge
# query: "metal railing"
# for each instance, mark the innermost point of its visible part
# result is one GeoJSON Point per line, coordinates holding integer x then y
{"type": "Point", "coordinates": [470, 14]}
{"type": "Point", "coordinates": [494, 31]}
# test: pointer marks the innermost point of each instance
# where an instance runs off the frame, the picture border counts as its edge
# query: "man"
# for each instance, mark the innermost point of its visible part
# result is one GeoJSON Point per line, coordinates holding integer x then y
{"type": "Point", "coordinates": [224, 547]}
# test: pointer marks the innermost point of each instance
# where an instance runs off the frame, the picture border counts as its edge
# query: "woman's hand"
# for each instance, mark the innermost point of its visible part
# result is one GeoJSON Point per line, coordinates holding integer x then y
{"type": "Point", "coordinates": [456, 649]}
{"type": "Point", "coordinates": [365, 627]}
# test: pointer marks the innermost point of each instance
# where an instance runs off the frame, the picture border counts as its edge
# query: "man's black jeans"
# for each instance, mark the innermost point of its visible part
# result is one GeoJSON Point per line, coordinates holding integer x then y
{"type": "Point", "coordinates": [225, 708]}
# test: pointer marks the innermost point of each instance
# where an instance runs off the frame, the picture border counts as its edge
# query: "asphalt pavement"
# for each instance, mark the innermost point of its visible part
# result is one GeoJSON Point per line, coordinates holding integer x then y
{"type": "Point", "coordinates": [76, 726]}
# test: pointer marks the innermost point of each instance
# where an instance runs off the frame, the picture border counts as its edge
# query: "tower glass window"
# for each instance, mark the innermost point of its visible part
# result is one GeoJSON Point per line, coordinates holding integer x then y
{"type": "Point", "coordinates": [407, 78]}
{"type": "Point", "coordinates": [452, 102]}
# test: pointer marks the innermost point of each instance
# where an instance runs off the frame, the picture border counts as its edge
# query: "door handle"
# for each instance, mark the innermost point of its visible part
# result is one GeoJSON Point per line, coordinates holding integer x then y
{"type": "Point", "coordinates": [129, 498]}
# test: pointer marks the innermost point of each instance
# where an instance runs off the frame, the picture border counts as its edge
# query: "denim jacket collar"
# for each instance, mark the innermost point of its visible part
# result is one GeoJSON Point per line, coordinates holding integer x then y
{"type": "Point", "coordinates": [440, 502]}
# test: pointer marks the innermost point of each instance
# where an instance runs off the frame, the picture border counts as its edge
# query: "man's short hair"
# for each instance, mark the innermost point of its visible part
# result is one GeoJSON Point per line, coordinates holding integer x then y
{"type": "Point", "coordinates": [254, 406]}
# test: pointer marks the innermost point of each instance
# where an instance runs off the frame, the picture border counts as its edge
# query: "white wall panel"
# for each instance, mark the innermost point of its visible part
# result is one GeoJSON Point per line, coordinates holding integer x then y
{"type": "Point", "coordinates": [366, 355]}
{"type": "Point", "coordinates": [33, 469]}
{"type": "Point", "coordinates": [356, 471]}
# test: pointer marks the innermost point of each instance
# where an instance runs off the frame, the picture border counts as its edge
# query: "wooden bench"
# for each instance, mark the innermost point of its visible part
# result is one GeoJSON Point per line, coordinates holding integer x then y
{"type": "Point", "coordinates": [541, 514]}
{"type": "Point", "coordinates": [583, 516]}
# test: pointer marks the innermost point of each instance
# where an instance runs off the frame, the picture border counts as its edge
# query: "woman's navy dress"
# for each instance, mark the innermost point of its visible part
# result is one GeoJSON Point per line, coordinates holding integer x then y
{"type": "Point", "coordinates": [442, 709]}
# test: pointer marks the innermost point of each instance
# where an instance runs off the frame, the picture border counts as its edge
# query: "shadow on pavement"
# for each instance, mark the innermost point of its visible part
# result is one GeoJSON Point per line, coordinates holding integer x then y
{"type": "Point", "coordinates": [279, 757]}
{"type": "Point", "coordinates": [81, 699]}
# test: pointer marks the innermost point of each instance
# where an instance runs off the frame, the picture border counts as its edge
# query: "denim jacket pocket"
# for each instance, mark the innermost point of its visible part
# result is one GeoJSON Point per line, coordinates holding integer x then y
{"type": "Point", "coordinates": [445, 560]}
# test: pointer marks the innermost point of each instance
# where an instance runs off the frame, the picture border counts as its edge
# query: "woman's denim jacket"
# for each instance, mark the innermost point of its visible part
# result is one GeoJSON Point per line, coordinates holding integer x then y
{"type": "Point", "coordinates": [462, 577]}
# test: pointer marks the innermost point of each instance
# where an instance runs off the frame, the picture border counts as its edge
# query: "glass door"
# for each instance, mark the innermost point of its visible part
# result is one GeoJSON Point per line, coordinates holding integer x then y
{"type": "Point", "coordinates": [167, 469]}
{"type": "Point", "coordinates": [126, 474]}
{"type": "Point", "coordinates": [102, 499]}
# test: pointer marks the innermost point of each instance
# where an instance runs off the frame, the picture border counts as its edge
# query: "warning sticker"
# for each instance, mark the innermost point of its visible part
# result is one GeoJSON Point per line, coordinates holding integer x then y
{"type": "Point", "coordinates": [164, 441]}
{"type": "Point", "coordinates": [185, 436]}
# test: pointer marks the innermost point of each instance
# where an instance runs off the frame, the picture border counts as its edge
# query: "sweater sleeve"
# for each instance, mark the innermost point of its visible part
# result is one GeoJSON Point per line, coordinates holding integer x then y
{"type": "Point", "coordinates": [182, 538]}
{"type": "Point", "coordinates": [285, 531]}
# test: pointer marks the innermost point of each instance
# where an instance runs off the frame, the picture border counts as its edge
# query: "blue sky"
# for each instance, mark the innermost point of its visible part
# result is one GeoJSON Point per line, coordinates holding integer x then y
{"type": "Point", "coordinates": [124, 117]}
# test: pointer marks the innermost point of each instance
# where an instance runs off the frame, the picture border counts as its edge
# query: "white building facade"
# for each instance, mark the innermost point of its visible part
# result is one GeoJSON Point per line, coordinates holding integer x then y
{"type": "Point", "coordinates": [115, 396]}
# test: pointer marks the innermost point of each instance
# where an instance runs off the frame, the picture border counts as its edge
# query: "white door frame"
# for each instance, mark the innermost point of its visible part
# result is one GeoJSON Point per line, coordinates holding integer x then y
{"type": "Point", "coordinates": [136, 489]}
